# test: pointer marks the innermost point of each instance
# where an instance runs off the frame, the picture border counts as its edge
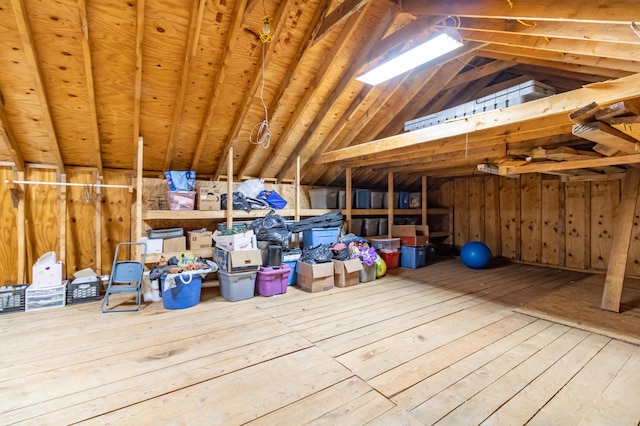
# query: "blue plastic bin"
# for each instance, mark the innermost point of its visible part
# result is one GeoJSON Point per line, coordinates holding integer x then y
{"type": "Point", "coordinates": [292, 271]}
{"type": "Point", "coordinates": [316, 236]}
{"type": "Point", "coordinates": [185, 294]}
{"type": "Point", "coordinates": [413, 256]}
{"type": "Point", "coordinates": [362, 199]}
{"type": "Point", "coordinates": [403, 200]}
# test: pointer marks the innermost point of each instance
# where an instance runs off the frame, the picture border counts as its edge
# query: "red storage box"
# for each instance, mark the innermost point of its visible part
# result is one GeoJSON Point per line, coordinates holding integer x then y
{"type": "Point", "coordinates": [272, 281]}
{"type": "Point", "coordinates": [391, 258]}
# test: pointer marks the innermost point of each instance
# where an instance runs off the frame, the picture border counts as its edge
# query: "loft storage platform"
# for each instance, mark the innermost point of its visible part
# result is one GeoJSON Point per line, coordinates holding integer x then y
{"type": "Point", "coordinates": [516, 95]}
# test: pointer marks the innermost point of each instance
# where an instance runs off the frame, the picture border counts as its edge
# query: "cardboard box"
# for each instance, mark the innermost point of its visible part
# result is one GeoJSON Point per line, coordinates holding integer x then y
{"type": "Point", "coordinates": [242, 241]}
{"type": "Point", "coordinates": [209, 198]}
{"type": "Point", "coordinates": [154, 245]}
{"type": "Point", "coordinates": [174, 244]}
{"type": "Point", "coordinates": [346, 273]}
{"type": "Point", "coordinates": [199, 240]}
{"type": "Point", "coordinates": [237, 261]}
{"type": "Point", "coordinates": [314, 278]}
{"type": "Point", "coordinates": [411, 235]}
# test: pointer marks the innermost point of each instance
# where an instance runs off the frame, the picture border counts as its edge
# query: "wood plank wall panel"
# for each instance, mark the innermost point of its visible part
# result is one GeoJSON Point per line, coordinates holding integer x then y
{"type": "Point", "coordinates": [605, 197]}
{"type": "Point", "coordinates": [81, 235]}
{"type": "Point", "coordinates": [476, 208]}
{"type": "Point", "coordinates": [116, 214]}
{"type": "Point", "coordinates": [530, 218]}
{"type": "Point", "coordinates": [552, 222]}
{"type": "Point", "coordinates": [510, 217]}
{"type": "Point", "coordinates": [492, 234]}
{"type": "Point", "coordinates": [461, 212]}
{"type": "Point", "coordinates": [633, 262]}
{"type": "Point", "coordinates": [8, 232]}
{"type": "Point", "coordinates": [41, 207]}
{"type": "Point", "coordinates": [577, 224]}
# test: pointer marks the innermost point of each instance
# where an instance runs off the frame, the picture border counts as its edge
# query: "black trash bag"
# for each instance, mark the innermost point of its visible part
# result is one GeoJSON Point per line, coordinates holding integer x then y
{"type": "Point", "coordinates": [239, 202]}
{"type": "Point", "coordinates": [318, 254]}
{"type": "Point", "coordinates": [327, 220]}
{"type": "Point", "coordinates": [272, 228]}
{"type": "Point", "coordinates": [341, 254]}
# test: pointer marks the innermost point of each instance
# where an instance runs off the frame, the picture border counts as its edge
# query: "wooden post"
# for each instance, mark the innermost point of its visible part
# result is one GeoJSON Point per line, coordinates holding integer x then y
{"type": "Point", "coordinates": [296, 211]}
{"type": "Point", "coordinates": [98, 225]}
{"type": "Point", "coordinates": [62, 224]}
{"type": "Point", "coordinates": [230, 189]}
{"type": "Point", "coordinates": [21, 227]}
{"type": "Point", "coordinates": [424, 201]}
{"type": "Point", "coordinates": [390, 206]}
{"type": "Point", "coordinates": [348, 197]}
{"type": "Point", "coordinates": [137, 232]}
{"type": "Point", "coordinates": [620, 245]}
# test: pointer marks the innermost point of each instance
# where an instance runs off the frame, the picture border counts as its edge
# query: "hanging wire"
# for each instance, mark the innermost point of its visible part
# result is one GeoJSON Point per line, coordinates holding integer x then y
{"type": "Point", "coordinates": [261, 132]}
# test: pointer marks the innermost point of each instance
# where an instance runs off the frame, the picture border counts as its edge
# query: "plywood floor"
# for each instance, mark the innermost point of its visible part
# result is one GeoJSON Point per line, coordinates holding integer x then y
{"type": "Point", "coordinates": [440, 344]}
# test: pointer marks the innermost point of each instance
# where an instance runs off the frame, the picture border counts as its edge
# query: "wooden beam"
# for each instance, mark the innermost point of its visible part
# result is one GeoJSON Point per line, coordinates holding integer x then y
{"type": "Point", "coordinates": [620, 245]}
{"type": "Point", "coordinates": [627, 125]}
{"type": "Point", "coordinates": [562, 153]}
{"type": "Point", "coordinates": [137, 88]}
{"type": "Point", "coordinates": [28, 45]}
{"type": "Point", "coordinates": [569, 165]}
{"type": "Point", "coordinates": [358, 62]}
{"type": "Point", "coordinates": [557, 63]}
{"type": "Point", "coordinates": [579, 31]}
{"type": "Point", "coordinates": [554, 106]}
{"type": "Point", "coordinates": [220, 72]}
{"type": "Point", "coordinates": [611, 11]}
{"type": "Point", "coordinates": [612, 50]}
{"type": "Point", "coordinates": [256, 81]}
{"type": "Point", "coordinates": [603, 134]}
{"type": "Point", "coordinates": [619, 109]}
{"type": "Point", "coordinates": [286, 81]}
{"type": "Point", "coordinates": [91, 93]}
{"type": "Point", "coordinates": [585, 114]}
{"type": "Point", "coordinates": [195, 17]}
{"type": "Point", "coordinates": [338, 16]}
{"type": "Point", "coordinates": [6, 135]}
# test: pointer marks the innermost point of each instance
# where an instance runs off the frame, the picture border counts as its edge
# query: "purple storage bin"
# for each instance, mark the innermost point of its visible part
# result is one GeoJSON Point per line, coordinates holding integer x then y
{"type": "Point", "coordinates": [271, 281]}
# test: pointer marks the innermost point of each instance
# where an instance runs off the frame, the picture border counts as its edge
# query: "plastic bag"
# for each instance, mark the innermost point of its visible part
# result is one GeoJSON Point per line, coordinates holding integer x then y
{"type": "Point", "coordinates": [272, 228]}
{"type": "Point", "coordinates": [251, 188]}
{"type": "Point", "coordinates": [181, 180]}
{"type": "Point", "coordinates": [273, 199]}
{"type": "Point", "coordinates": [318, 254]}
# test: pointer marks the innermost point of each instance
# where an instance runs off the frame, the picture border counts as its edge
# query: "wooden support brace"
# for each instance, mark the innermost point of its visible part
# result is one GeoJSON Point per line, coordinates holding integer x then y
{"type": "Point", "coordinates": [614, 282]}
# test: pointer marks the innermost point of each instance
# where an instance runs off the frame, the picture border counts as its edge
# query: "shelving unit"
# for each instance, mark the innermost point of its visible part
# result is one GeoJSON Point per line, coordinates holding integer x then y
{"type": "Point", "coordinates": [229, 215]}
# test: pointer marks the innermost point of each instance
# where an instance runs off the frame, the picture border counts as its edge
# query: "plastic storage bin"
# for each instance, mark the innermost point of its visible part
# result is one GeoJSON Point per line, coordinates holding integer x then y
{"type": "Point", "coordinates": [371, 226]}
{"type": "Point", "coordinates": [403, 200]}
{"type": "Point", "coordinates": [368, 273]}
{"type": "Point", "coordinates": [385, 243]}
{"type": "Point", "coordinates": [377, 199]}
{"type": "Point", "coordinates": [271, 281]}
{"type": "Point", "coordinates": [362, 199]}
{"type": "Point", "coordinates": [390, 257]}
{"type": "Point", "coordinates": [83, 290]}
{"type": "Point", "coordinates": [185, 294]}
{"type": "Point", "coordinates": [323, 198]}
{"type": "Point", "coordinates": [357, 226]}
{"type": "Point", "coordinates": [316, 236]}
{"type": "Point", "coordinates": [45, 297]}
{"type": "Point", "coordinates": [415, 200]}
{"type": "Point", "coordinates": [292, 271]}
{"type": "Point", "coordinates": [237, 286]}
{"type": "Point", "coordinates": [413, 256]}
{"type": "Point", "coordinates": [12, 298]}
{"type": "Point", "coordinates": [181, 200]}
{"type": "Point", "coordinates": [383, 226]}
{"type": "Point", "coordinates": [342, 199]}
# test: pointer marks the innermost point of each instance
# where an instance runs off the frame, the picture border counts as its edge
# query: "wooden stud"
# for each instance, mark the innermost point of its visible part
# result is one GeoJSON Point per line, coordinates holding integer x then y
{"type": "Point", "coordinates": [620, 246]}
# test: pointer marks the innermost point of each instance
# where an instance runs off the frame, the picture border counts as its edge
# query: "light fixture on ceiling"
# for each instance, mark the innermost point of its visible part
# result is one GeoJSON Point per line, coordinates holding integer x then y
{"type": "Point", "coordinates": [440, 44]}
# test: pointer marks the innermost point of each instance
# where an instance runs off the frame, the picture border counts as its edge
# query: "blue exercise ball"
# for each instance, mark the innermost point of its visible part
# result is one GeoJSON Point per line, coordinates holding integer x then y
{"type": "Point", "coordinates": [475, 255]}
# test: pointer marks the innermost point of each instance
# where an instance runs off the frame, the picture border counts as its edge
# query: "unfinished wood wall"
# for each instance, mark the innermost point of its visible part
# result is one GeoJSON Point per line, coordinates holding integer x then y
{"type": "Point", "coordinates": [537, 218]}
{"type": "Point", "coordinates": [44, 211]}
{"type": "Point", "coordinates": [45, 206]}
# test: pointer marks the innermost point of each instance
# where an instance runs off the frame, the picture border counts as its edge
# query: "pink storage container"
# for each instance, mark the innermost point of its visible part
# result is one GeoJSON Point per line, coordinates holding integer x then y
{"type": "Point", "coordinates": [272, 281]}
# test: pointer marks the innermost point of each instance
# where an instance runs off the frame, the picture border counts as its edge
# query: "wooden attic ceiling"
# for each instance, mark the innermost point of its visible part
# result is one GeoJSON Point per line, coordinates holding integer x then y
{"type": "Point", "coordinates": [81, 80]}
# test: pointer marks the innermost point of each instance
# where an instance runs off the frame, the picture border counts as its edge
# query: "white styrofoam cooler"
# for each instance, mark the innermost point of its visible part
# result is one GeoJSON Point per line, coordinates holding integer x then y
{"type": "Point", "coordinates": [525, 92]}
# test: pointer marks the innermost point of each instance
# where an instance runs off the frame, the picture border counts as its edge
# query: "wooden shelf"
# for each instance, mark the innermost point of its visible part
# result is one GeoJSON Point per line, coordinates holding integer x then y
{"type": "Point", "coordinates": [155, 257]}
{"type": "Point", "coordinates": [222, 214]}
